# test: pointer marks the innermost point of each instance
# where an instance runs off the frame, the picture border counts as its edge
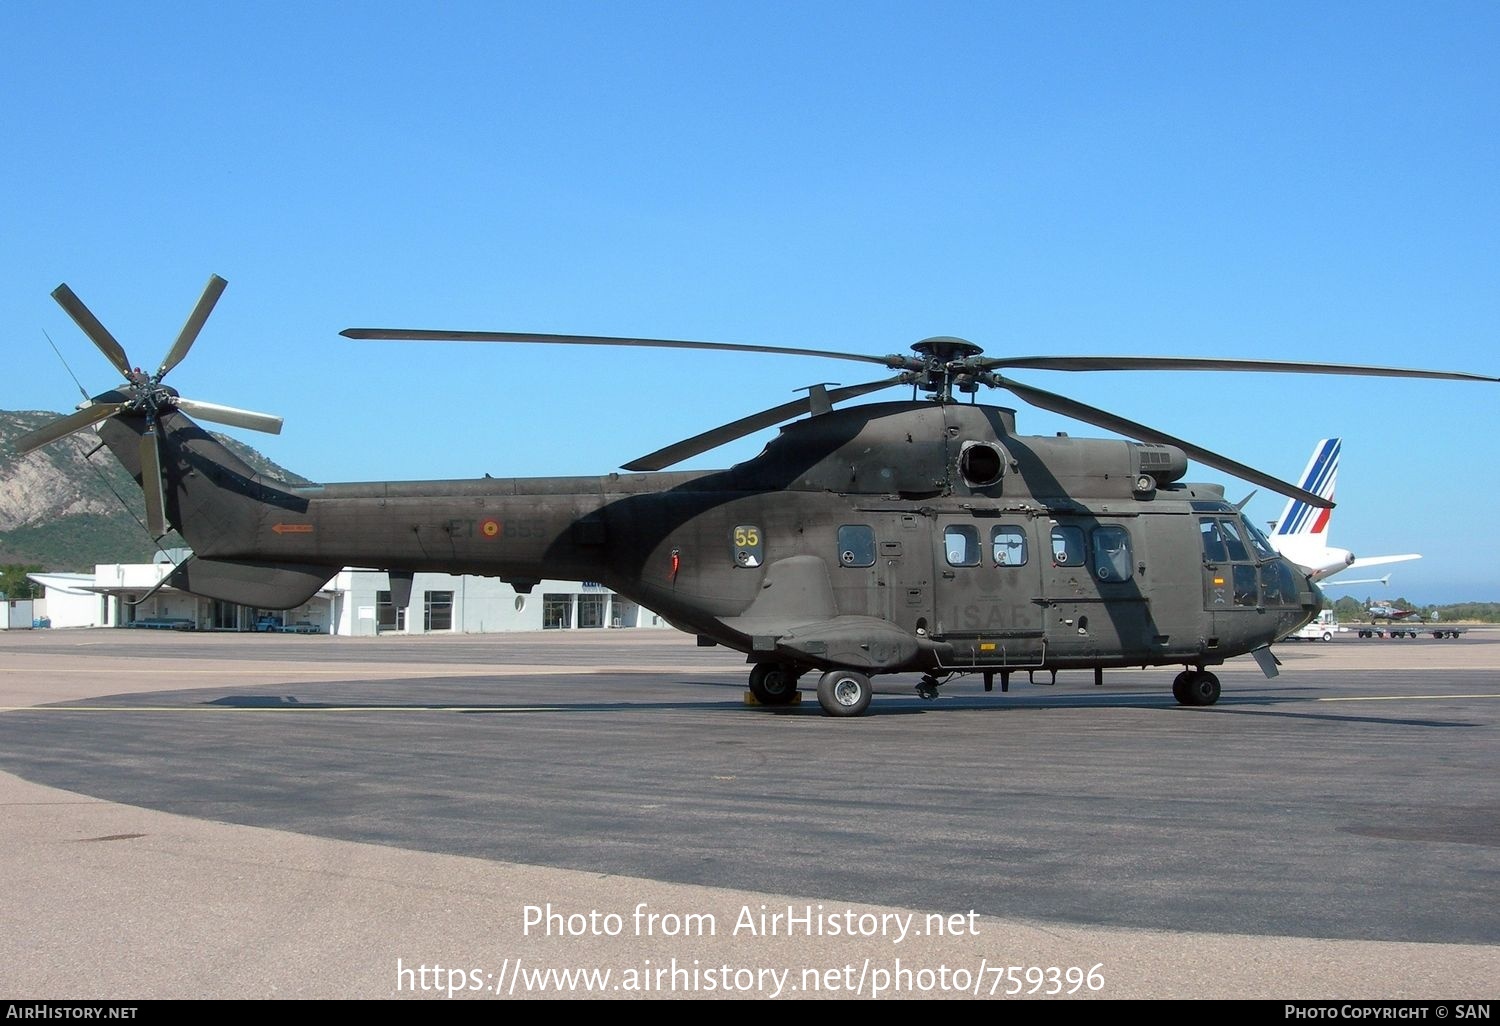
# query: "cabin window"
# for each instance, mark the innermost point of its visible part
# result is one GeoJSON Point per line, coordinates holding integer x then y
{"type": "Point", "coordinates": [856, 545]}
{"type": "Point", "coordinates": [437, 611]}
{"type": "Point", "coordinates": [1111, 554]}
{"type": "Point", "coordinates": [1067, 545]}
{"type": "Point", "coordinates": [749, 545]}
{"type": "Point", "coordinates": [1008, 545]}
{"type": "Point", "coordinates": [961, 543]}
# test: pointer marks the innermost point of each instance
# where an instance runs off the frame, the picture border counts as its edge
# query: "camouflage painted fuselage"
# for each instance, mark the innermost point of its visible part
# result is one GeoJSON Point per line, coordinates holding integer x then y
{"type": "Point", "coordinates": [883, 538]}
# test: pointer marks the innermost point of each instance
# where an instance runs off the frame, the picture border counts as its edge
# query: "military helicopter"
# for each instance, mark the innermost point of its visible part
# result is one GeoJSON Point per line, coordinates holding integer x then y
{"type": "Point", "coordinates": [917, 536]}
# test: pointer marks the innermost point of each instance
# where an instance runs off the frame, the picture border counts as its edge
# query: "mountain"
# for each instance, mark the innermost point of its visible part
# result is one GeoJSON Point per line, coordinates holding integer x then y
{"type": "Point", "coordinates": [60, 506]}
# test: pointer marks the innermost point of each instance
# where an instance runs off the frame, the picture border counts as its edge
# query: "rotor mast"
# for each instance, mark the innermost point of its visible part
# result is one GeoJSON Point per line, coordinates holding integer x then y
{"type": "Point", "coordinates": [945, 363]}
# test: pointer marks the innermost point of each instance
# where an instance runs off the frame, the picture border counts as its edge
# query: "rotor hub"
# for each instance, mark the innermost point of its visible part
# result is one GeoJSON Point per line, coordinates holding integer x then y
{"type": "Point", "coordinates": [946, 349]}
{"type": "Point", "coordinates": [947, 363]}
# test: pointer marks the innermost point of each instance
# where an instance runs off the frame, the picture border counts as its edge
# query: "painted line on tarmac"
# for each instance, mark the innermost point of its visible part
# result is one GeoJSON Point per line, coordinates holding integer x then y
{"type": "Point", "coordinates": [1404, 698]}
{"type": "Point", "coordinates": [281, 708]}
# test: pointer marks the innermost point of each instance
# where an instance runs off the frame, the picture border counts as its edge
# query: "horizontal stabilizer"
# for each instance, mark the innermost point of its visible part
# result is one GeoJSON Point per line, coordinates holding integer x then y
{"type": "Point", "coordinates": [262, 585]}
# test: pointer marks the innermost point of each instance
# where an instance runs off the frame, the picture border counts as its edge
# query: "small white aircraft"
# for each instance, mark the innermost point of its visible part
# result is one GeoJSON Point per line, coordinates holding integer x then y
{"type": "Point", "coordinates": [1301, 534]}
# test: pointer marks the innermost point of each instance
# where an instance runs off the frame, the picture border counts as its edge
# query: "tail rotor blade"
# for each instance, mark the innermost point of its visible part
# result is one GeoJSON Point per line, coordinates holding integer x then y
{"type": "Point", "coordinates": [266, 422]}
{"type": "Point", "coordinates": [64, 426]}
{"type": "Point", "coordinates": [151, 484]}
{"type": "Point", "coordinates": [97, 333]}
{"type": "Point", "coordinates": [189, 334]}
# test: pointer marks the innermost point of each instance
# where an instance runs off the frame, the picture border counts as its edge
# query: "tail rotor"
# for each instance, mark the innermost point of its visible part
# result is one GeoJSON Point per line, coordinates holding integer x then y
{"type": "Point", "coordinates": [143, 395]}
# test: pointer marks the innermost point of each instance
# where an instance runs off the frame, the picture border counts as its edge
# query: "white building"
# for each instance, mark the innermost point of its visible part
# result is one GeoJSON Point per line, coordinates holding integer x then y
{"type": "Point", "coordinates": [359, 603]}
{"type": "Point", "coordinates": [69, 600]}
{"type": "Point", "coordinates": [353, 602]}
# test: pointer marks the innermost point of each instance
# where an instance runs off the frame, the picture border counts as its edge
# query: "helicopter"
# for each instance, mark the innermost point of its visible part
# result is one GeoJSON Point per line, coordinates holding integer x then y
{"type": "Point", "coordinates": [924, 535]}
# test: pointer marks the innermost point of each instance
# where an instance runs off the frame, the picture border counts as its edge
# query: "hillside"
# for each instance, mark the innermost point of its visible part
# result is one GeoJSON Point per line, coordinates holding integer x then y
{"type": "Point", "coordinates": [61, 509]}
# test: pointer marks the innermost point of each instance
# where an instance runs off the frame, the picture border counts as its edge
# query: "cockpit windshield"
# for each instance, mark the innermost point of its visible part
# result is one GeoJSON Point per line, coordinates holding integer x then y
{"type": "Point", "coordinates": [1260, 542]}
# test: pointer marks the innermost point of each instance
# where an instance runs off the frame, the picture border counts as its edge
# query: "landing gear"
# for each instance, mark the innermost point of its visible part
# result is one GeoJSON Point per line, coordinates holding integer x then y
{"type": "Point", "coordinates": [844, 693]}
{"type": "Point", "coordinates": [1195, 687]}
{"type": "Point", "coordinates": [1179, 686]}
{"type": "Point", "coordinates": [773, 683]}
{"type": "Point", "coordinates": [927, 687]}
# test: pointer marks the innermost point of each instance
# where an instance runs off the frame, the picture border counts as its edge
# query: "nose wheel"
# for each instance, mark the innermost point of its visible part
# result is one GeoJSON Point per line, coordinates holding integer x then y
{"type": "Point", "coordinates": [844, 693]}
{"type": "Point", "coordinates": [1195, 687]}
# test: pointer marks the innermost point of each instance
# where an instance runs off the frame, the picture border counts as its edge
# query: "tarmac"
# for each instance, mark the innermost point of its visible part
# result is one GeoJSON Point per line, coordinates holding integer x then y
{"type": "Point", "coordinates": [602, 815]}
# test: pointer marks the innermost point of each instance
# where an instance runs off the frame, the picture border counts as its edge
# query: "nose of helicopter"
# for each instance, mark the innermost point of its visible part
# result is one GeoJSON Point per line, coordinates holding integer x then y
{"type": "Point", "coordinates": [1309, 595]}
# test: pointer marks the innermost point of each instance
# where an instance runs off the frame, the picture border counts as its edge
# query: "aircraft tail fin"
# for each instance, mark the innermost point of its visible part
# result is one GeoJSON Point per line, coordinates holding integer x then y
{"type": "Point", "coordinates": [1301, 519]}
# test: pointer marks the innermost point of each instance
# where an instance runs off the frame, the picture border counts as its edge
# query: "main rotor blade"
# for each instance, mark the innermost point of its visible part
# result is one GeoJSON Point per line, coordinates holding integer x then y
{"type": "Point", "coordinates": [151, 484]}
{"type": "Point", "coordinates": [1188, 363]}
{"type": "Point", "coordinates": [97, 333]}
{"type": "Point", "coordinates": [266, 422]}
{"type": "Point", "coordinates": [189, 333]}
{"type": "Point", "coordinates": [64, 426]}
{"type": "Point", "coordinates": [718, 436]}
{"type": "Point", "coordinates": [1140, 432]}
{"type": "Point", "coordinates": [421, 335]}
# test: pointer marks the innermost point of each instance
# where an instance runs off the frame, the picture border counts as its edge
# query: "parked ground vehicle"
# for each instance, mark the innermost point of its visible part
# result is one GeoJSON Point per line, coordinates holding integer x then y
{"type": "Point", "coordinates": [1413, 630]}
{"type": "Point", "coordinates": [268, 624]}
{"type": "Point", "coordinates": [1321, 629]}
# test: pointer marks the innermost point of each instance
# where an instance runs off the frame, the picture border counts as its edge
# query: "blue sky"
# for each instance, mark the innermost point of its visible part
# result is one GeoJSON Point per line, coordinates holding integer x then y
{"type": "Point", "coordinates": [1290, 181]}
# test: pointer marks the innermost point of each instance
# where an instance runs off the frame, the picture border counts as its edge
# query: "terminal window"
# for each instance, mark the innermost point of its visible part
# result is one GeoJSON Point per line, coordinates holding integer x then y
{"type": "Point", "coordinates": [557, 612]}
{"type": "Point", "coordinates": [437, 612]}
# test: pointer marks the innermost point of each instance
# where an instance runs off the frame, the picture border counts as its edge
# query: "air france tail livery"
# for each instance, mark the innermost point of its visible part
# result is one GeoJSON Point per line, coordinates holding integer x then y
{"type": "Point", "coordinates": [1301, 534]}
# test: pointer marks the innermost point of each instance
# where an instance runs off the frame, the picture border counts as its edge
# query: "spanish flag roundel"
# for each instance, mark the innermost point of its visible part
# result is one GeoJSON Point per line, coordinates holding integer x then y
{"type": "Point", "coordinates": [489, 528]}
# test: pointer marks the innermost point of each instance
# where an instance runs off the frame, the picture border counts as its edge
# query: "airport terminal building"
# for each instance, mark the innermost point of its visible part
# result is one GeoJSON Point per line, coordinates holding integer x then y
{"type": "Point", "coordinates": [353, 603]}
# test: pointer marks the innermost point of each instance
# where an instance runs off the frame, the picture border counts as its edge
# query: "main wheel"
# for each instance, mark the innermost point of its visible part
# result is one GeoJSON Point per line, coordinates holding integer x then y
{"type": "Point", "coordinates": [844, 693]}
{"type": "Point", "coordinates": [1180, 686]}
{"type": "Point", "coordinates": [773, 684]}
{"type": "Point", "coordinates": [1202, 688]}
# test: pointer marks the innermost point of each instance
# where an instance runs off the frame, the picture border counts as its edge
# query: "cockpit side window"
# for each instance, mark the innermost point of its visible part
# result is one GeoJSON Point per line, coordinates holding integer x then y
{"type": "Point", "coordinates": [1246, 593]}
{"type": "Point", "coordinates": [1231, 531]}
{"type": "Point", "coordinates": [1213, 542]}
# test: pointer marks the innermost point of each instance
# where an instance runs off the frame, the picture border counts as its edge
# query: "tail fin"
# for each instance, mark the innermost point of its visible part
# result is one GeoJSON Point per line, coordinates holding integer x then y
{"type": "Point", "coordinates": [1319, 477]}
{"type": "Point", "coordinates": [215, 501]}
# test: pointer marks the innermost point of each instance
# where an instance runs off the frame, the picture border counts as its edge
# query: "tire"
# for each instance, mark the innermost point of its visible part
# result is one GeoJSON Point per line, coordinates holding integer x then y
{"type": "Point", "coordinates": [844, 693]}
{"type": "Point", "coordinates": [1327, 636]}
{"type": "Point", "coordinates": [1202, 688]}
{"type": "Point", "coordinates": [1180, 686]}
{"type": "Point", "coordinates": [773, 684]}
